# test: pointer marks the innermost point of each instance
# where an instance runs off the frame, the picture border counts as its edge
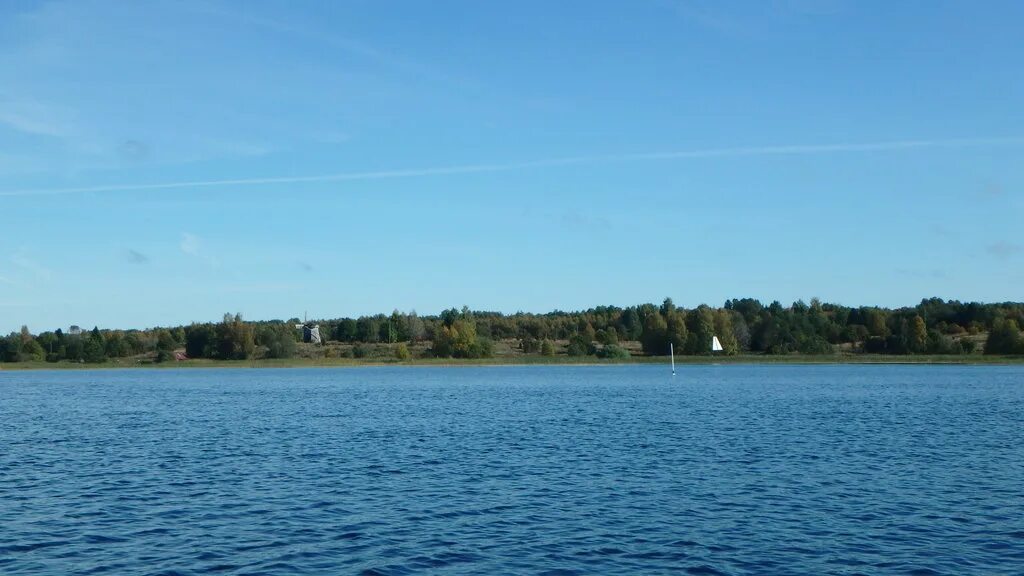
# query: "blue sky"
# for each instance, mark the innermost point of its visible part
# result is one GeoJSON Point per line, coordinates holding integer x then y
{"type": "Point", "coordinates": [166, 162]}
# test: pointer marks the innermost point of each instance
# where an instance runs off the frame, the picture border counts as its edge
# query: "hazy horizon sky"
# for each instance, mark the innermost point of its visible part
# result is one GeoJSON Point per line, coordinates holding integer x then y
{"type": "Point", "coordinates": [167, 162]}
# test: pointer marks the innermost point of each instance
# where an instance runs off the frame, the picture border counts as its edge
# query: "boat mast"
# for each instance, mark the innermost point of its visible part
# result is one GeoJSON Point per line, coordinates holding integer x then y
{"type": "Point", "coordinates": [672, 354]}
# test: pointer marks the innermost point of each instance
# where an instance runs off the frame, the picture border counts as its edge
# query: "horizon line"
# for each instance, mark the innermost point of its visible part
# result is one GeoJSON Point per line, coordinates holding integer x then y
{"type": "Point", "coordinates": [505, 313]}
{"type": "Point", "coordinates": [775, 150]}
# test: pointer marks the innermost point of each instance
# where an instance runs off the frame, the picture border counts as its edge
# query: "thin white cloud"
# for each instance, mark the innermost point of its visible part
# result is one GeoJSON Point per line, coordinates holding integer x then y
{"type": "Point", "coordinates": [49, 56]}
{"type": "Point", "coordinates": [221, 147]}
{"type": "Point", "coordinates": [705, 15]}
{"type": "Point", "coordinates": [332, 138]}
{"type": "Point", "coordinates": [734, 152]}
{"type": "Point", "coordinates": [34, 118]}
{"type": "Point", "coordinates": [257, 288]}
{"type": "Point", "coordinates": [312, 31]}
{"type": "Point", "coordinates": [918, 273]}
{"type": "Point", "coordinates": [23, 261]}
{"type": "Point", "coordinates": [19, 163]}
{"type": "Point", "coordinates": [814, 7]}
{"type": "Point", "coordinates": [190, 243]}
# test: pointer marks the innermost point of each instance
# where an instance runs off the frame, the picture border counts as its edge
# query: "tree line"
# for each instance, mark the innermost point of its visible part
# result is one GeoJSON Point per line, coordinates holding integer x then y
{"type": "Point", "coordinates": [743, 326]}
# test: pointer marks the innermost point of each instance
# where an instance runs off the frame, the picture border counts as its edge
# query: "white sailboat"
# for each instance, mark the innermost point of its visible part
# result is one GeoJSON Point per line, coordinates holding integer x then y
{"type": "Point", "coordinates": [716, 346]}
{"type": "Point", "coordinates": [672, 354]}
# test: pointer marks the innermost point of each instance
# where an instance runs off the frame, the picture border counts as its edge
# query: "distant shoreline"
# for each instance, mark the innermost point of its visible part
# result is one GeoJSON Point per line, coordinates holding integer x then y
{"type": "Point", "coordinates": [971, 360]}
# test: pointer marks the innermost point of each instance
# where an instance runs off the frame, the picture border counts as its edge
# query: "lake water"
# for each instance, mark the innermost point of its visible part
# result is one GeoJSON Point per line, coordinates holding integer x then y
{"type": "Point", "coordinates": [557, 470]}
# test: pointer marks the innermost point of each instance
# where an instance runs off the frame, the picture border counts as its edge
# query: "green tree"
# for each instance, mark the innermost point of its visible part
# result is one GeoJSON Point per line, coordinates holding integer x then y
{"type": "Point", "coordinates": [965, 345]}
{"type": "Point", "coordinates": [917, 337]}
{"type": "Point", "coordinates": [547, 348]}
{"type": "Point", "coordinates": [580, 346]}
{"type": "Point", "coordinates": [938, 343]}
{"type": "Point", "coordinates": [740, 331]}
{"type": "Point", "coordinates": [346, 330]}
{"type": "Point", "coordinates": [368, 329]}
{"type": "Point", "coordinates": [165, 345]}
{"type": "Point", "coordinates": [529, 345]}
{"type": "Point", "coordinates": [133, 340]}
{"type": "Point", "coordinates": [94, 347]}
{"type": "Point", "coordinates": [700, 323]}
{"type": "Point", "coordinates": [10, 348]}
{"type": "Point", "coordinates": [667, 307]}
{"type": "Point", "coordinates": [32, 351]}
{"type": "Point", "coordinates": [483, 348]}
{"type": "Point", "coordinates": [459, 340]}
{"type": "Point", "coordinates": [654, 340]}
{"type": "Point", "coordinates": [813, 344]}
{"type": "Point", "coordinates": [93, 350]}
{"type": "Point", "coordinates": [279, 339]}
{"type": "Point", "coordinates": [398, 328]}
{"type": "Point", "coordinates": [1004, 338]}
{"type": "Point", "coordinates": [402, 351]}
{"type": "Point", "coordinates": [632, 325]}
{"type": "Point", "coordinates": [116, 346]}
{"type": "Point", "coordinates": [235, 340]}
{"type": "Point", "coordinates": [24, 347]}
{"type": "Point", "coordinates": [165, 341]}
{"type": "Point", "coordinates": [200, 341]}
{"type": "Point", "coordinates": [724, 329]}
{"type": "Point", "coordinates": [675, 327]}
{"type": "Point", "coordinates": [416, 328]}
{"type": "Point", "coordinates": [49, 342]}
{"type": "Point", "coordinates": [74, 347]}
{"type": "Point", "coordinates": [876, 322]}
{"type": "Point", "coordinates": [586, 331]}
{"type": "Point", "coordinates": [614, 352]}
{"type": "Point", "coordinates": [897, 342]}
{"type": "Point", "coordinates": [855, 333]}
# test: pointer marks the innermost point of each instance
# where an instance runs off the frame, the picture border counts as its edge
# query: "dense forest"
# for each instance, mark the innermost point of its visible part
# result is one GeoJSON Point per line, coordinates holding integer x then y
{"type": "Point", "coordinates": [744, 326]}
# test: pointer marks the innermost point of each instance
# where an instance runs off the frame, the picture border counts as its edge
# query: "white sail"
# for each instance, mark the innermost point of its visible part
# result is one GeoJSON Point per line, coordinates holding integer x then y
{"type": "Point", "coordinates": [716, 346]}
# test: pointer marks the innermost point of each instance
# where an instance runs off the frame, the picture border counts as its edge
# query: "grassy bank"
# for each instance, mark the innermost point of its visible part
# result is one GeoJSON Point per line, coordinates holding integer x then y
{"type": "Point", "coordinates": [527, 360]}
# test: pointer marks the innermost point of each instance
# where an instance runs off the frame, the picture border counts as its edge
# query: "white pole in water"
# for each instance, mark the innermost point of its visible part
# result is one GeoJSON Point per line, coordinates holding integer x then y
{"type": "Point", "coordinates": [672, 353]}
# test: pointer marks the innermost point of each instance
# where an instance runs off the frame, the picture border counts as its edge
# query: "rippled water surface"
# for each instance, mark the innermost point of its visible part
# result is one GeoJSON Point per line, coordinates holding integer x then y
{"type": "Point", "coordinates": [563, 470]}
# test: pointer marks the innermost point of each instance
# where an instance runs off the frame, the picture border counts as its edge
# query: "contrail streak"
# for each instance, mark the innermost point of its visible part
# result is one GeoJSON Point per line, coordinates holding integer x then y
{"type": "Point", "coordinates": [788, 150]}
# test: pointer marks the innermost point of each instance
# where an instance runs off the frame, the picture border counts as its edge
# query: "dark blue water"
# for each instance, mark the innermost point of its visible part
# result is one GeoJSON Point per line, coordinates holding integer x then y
{"type": "Point", "coordinates": [568, 470]}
